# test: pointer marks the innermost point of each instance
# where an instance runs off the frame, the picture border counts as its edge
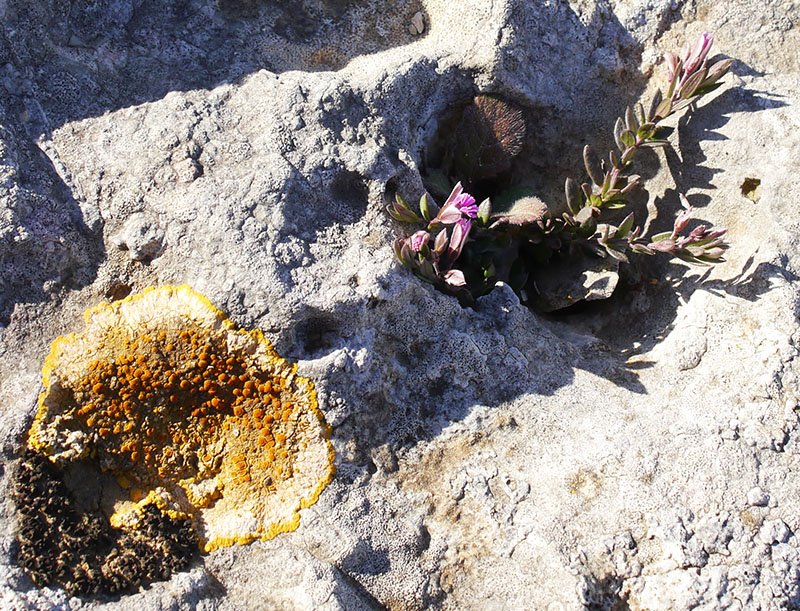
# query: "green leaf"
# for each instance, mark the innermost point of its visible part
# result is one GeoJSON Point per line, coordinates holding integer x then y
{"type": "Point", "coordinates": [704, 89]}
{"type": "Point", "coordinates": [628, 138]}
{"type": "Point", "coordinates": [646, 131]}
{"type": "Point", "coordinates": [659, 237]}
{"type": "Point", "coordinates": [617, 254]}
{"type": "Point", "coordinates": [592, 164]}
{"type": "Point", "coordinates": [427, 271]}
{"type": "Point", "coordinates": [625, 226]}
{"type": "Point", "coordinates": [585, 214]}
{"type": "Point", "coordinates": [609, 181]}
{"type": "Point", "coordinates": [684, 256]}
{"type": "Point", "coordinates": [717, 70]}
{"type": "Point", "coordinates": [664, 109]}
{"type": "Point", "coordinates": [684, 103]}
{"type": "Point", "coordinates": [485, 211]}
{"type": "Point", "coordinates": [654, 104]}
{"type": "Point", "coordinates": [711, 260]}
{"type": "Point", "coordinates": [673, 82]}
{"type": "Point", "coordinates": [627, 155]}
{"type": "Point", "coordinates": [427, 207]}
{"type": "Point", "coordinates": [573, 195]}
{"type": "Point", "coordinates": [406, 255]}
{"type": "Point", "coordinates": [398, 251]}
{"type": "Point", "coordinates": [633, 181]}
{"type": "Point", "coordinates": [654, 144]}
{"type": "Point", "coordinates": [692, 83]}
{"type": "Point", "coordinates": [619, 127]}
{"type": "Point", "coordinates": [640, 116]}
{"type": "Point", "coordinates": [641, 249]}
{"type": "Point", "coordinates": [630, 120]}
{"type": "Point", "coordinates": [402, 214]}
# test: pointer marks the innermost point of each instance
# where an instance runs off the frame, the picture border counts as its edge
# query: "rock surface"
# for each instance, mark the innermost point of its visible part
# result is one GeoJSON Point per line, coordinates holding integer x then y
{"type": "Point", "coordinates": [643, 451]}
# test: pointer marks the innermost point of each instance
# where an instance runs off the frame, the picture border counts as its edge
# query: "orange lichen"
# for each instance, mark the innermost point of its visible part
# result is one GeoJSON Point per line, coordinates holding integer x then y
{"type": "Point", "coordinates": [167, 395]}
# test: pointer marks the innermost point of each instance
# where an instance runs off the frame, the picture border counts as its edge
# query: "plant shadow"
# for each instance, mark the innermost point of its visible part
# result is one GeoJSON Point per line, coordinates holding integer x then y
{"type": "Point", "coordinates": [650, 292]}
{"type": "Point", "coordinates": [390, 379]}
{"type": "Point", "coordinates": [429, 380]}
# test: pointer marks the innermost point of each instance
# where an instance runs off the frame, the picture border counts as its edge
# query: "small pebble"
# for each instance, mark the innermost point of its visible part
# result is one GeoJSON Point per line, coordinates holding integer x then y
{"type": "Point", "coordinates": [417, 25]}
{"type": "Point", "coordinates": [774, 531]}
{"type": "Point", "coordinates": [757, 497]}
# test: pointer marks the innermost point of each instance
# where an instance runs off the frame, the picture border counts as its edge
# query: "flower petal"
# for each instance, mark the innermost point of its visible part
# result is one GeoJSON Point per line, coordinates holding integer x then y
{"type": "Point", "coordinates": [455, 277]}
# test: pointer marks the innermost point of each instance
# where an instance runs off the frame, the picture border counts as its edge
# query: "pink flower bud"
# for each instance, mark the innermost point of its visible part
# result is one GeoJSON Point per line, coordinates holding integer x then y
{"type": "Point", "coordinates": [680, 222]}
{"type": "Point", "coordinates": [698, 233]}
{"type": "Point", "coordinates": [459, 237]}
{"type": "Point", "coordinates": [695, 57]}
{"type": "Point", "coordinates": [455, 277]}
{"type": "Point", "coordinates": [419, 239]}
{"type": "Point", "coordinates": [440, 243]}
{"type": "Point", "coordinates": [672, 64]}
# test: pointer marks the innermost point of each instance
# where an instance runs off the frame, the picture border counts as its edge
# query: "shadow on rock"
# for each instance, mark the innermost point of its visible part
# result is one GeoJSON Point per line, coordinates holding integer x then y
{"type": "Point", "coordinates": [701, 126]}
{"type": "Point", "coordinates": [603, 594]}
{"type": "Point", "coordinates": [403, 366]}
{"type": "Point", "coordinates": [80, 59]}
{"type": "Point", "coordinates": [46, 243]}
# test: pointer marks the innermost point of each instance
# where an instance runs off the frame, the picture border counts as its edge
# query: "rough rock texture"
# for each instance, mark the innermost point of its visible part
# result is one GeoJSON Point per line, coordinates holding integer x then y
{"type": "Point", "coordinates": [642, 451]}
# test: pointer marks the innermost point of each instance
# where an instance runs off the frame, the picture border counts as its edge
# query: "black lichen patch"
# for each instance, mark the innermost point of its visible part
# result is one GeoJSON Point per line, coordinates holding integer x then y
{"type": "Point", "coordinates": [64, 545]}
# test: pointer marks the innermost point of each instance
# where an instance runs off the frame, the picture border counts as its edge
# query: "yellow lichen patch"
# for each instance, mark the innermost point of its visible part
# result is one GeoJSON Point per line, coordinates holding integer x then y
{"type": "Point", "coordinates": [166, 394]}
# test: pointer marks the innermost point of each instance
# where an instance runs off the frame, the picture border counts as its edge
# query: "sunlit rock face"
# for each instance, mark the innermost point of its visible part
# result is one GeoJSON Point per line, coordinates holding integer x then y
{"type": "Point", "coordinates": [639, 450]}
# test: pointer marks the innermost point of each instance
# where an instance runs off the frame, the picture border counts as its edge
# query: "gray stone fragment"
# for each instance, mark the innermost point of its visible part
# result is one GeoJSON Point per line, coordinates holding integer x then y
{"type": "Point", "coordinates": [141, 237]}
{"type": "Point", "coordinates": [774, 531]}
{"type": "Point", "coordinates": [756, 497]}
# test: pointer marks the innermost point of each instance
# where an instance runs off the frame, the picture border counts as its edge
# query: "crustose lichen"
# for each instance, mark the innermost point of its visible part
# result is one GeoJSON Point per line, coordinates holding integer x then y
{"type": "Point", "coordinates": [189, 415]}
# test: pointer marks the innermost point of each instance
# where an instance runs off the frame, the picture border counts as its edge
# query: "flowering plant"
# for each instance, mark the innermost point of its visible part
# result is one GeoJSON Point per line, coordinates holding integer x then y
{"type": "Point", "coordinates": [465, 248]}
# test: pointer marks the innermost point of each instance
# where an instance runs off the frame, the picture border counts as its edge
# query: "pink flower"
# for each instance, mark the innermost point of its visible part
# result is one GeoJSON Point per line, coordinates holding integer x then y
{"type": "Point", "coordinates": [419, 239]}
{"type": "Point", "coordinates": [456, 206]}
{"type": "Point", "coordinates": [466, 203]}
{"type": "Point", "coordinates": [683, 217]}
{"type": "Point", "coordinates": [460, 232]}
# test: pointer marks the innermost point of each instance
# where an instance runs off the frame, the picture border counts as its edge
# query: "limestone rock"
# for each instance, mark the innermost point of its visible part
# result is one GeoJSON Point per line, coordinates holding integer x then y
{"type": "Point", "coordinates": [487, 456]}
